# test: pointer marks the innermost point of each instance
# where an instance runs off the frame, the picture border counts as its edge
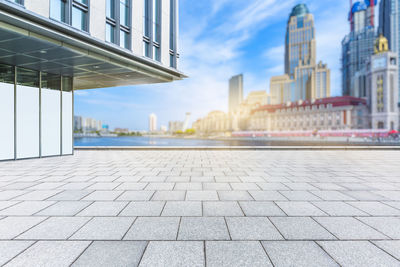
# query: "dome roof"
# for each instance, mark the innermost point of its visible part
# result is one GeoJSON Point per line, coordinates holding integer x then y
{"type": "Point", "coordinates": [300, 10]}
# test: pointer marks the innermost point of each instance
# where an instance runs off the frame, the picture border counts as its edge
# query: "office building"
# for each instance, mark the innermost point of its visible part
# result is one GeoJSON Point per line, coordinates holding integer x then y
{"type": "Point", "coordinates": [49, 48]}
{"type": "Point", "coordinates": [389, 26]}
{"type": "Point", "coordinates": [382, 87]}
{"type": "Point", "coordinates": [152, 123]}
{"type": "Point", "coordinates": [357, 47]}
{"type": "Point", "coordinates": [235, 92]}
{"type": "Point", "coordinates": [304, 79]}
{"type": "Point", "coordinates": [175, 126]}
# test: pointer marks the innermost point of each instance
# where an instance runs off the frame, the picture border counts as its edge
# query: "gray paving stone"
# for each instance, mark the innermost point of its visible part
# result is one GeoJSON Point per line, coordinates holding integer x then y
{"type": "Point", "coordinates": [10, 194]}
{"type": "Point", "coordinates": [234, 195]}
{"type": "Point", "coordinates": [257, 208]}
{"type": "Point", "coordinates": [297, 253]}
{"type": "Point", "coordinates": [10, 227]}
{"type": "Point", "coordinates": [173, 254]}
{"type": "Point", "coordinates": [64, 208]}
{"type": "Point", "coordinates": [245, 186]}
{"type": "Point", "coordinates": [71, 195]}
{"type": "Point", "coordinates": [364, 195]}
{"type": "Point", "coordinates": [112, 254]}
{"type": "Point", "coordinates": [154, 228]}
{"type": "Point", "coordinates": [338, 208]}
{"type": "Point", "coordinates": [103, 208]}
{"type": "Point", "coordinates": [182, 208]}
{"type": "Point", "coordinates": [201, 195]}
{"type": "Point", "coordinates": [389, 226]}
{"type": "Point", "coordinates": [391, 247]}
{"type": "Point", "coordinates": [103, 195]}
{"type": "Point", "coordinates": [75, 186]}
{"type": "Point", "coordinates": [26, 208]}
{"type": "Point", "coordinates": [252, 228]}
{"type": "Point", "coordinates": [236, 253]}
{"type": "Point", "coordinates": [160, 186]}
{"type": "Point", "coordinates": [331, 195]}
{"type": "Point", "coordinates": [357, 253]}
{"type": "Point", "coordinates": [136, 196]}
{"type": "Point", "coordinates": [376, 208]}
{"type": "Point", "coordinates": [203, 228]}
{"type": "Point", "coordinates": [267, 195]}
{"type": "Point", "coordinates": [57, 228]}
{"type": "Point", "coordinates": [131, 186]}
{"type": "Point", "coordinates": [221, 208]}
{"type": "Point", "coordinates": [50, 253]}
{"type": "Point", "coordinates": [149, 208]}
{"type": "Point", "coordinates": [10, 249]}
{"type": "Point", "coordinates": [169, 195]}
{"type": "Point", "coordinates": [103, 186]}
{"type": "Point", "coordinates": [299, 195]}
{"type": "Point", "coordinates": [188, 186]}
{"type": "Point", "coordinates": [300, 209]}
{"type": "Point", "coordinates": [272, 186]}
{"type": "Point", "coordinates": [217, 186]}
{"type": "Point", "coordinates": [300, 228]}
{"type": "Point", "coordinates": [300, 186]}
{"type": "Point", "coordinates": [347, 228]}
{"type": "Point", "coordinates": [104, 228]}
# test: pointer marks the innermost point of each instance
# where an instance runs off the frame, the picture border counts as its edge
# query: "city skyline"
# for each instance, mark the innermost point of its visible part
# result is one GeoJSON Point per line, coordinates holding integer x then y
{"type": "Point", "coordinates": [254, 47]}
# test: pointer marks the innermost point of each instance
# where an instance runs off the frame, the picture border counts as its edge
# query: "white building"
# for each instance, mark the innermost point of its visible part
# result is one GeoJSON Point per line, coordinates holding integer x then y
{"type": "Point", "coordinates": [49, 48]}
{"type": "Point", "coordinates": [235, 92]}
{"type": "Point", "coordinates": [152, 123]}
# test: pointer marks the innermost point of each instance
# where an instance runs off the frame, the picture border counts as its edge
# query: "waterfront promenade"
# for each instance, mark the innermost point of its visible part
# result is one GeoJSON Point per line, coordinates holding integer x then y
{"type": "Point", "coordinates": [197, 208]}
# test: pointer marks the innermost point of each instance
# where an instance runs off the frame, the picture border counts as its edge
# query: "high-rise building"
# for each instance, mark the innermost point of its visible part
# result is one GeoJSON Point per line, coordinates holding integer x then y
{"type": "Point", "coordinates": [389, 25]}
{"type": "Point", "coordinates": [235, 92]}
{"type": "Point", "coordinates": [152, 123]}
{"type": "Point", "coordinates": [357, 47]}
{"type": "Point", "coordinates": [382, 87]}
{"type": "Point", "coordinates": [49, 48]}
{"type": "Point", "coordinates": [304, 79]}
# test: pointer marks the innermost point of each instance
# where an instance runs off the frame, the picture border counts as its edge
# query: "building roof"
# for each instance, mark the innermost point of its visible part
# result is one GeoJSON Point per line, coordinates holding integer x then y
{"type": "Point", "coordinates": [299, 10]}
{"type": "Point", "coordinates": [338, 101]}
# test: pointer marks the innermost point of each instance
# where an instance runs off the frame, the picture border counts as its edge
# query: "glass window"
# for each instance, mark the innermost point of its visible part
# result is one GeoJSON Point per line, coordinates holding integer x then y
{"type": "Point", "coordinates": [110, 33]}
{"type": "Point", "coordinates": [6, 74]}
{"type": "Point", "coordinates": [110, 9]}
{"type": "Point", "coordinates": [51, 81]}
{"type": "Point", "coordinates": [79, 18]}
{"type": "Point", "coordinates": [124, 12]}
{"type": "Point", "coordinates": [146, 49]}
{"type": "Point", "coordinates": [72, 12]}
{"type": "Point", "coordinates": [58, 10]}
{"type": "Point", "coordinates": [20, 2]}
{"type": "Point", "coordinates": [118, 32]}
{"type": "Point", "coordinates": [124, 39]}
{"type": "Point", "coordinates": [27, 77]}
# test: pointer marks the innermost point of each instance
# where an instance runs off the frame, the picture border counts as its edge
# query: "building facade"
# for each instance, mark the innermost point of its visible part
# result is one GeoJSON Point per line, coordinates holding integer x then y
{"type": "Point", "coordinates": [334, 113]}
{"type": "Point", "coordinates": [357, 47]}
{"type": "Point", "coordinates": [152, 123]}
{"type": "Point", "coordinates": [383, 87]}
{"type": "Point", "coordinates": [235, 92]}
{"type": "Point", "coordinates": [49, 48]}
{"type": "Point", "coordinates": [304, 79]}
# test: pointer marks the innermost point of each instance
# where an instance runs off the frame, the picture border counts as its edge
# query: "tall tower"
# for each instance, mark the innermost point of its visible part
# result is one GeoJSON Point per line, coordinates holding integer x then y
{"type": "Point", "coordinates": [383, 88]}
{"type": "Point", "coordinates": [235, 92]}
{"type": "Point", "coordinates": [152, 123]}
{"type": "Point", "coordinates": [300, 44]}
{"type": "Point", "coordinates": [357, 47]}
{"type": "Point", "coordinates": [187, 120]}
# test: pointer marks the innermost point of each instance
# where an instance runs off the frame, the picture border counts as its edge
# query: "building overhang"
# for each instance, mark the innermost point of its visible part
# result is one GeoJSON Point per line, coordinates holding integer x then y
{"type": "Point", "coordinates": [34, 42]}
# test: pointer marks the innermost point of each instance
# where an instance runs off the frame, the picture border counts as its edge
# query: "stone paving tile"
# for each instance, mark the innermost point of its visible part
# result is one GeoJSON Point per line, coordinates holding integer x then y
{"type": "Point", "coordinates": [201, 195]}
{"type": "Point", "coordinates": [160, 186]}
{"type": "Point", "coordinates": [103, 208]}
{"type": "Point", "coordinates": [221, 208]}
{"type": "Point", "coordinates": [150, 208]}
{"type": "Point", "coordinates": [173, 254]}
{"type": "Point", "coordinates": [154, 228]}
{"type": "Point", "coordinates": [331, 195]}
{"type": "Point", "coordinates": [112, 253]}
{"type": "Point", "coordinates": [103, 186]}
{"type": "Point", "coordinates": [391, 247]}
{"type": "Point", "coordinates": [300, 228]}
{"type": "Point", "coordinates": [10, 249]}
{"type": "Point", "coordinates": [58, 228]}
{"type": "Point", "coordinates": [389, 226]}
{"type": "Point", "coordinates": [272, 186]}
{"type": "Point", "coordinates": [252, 228]}
{"type": "Point", "coordinates": [10, 227]}
{"type": "Point", "coordinates": [103, 195]}
{"type": "Point", "coordinates": [393, 204]}
{"type": "Point", "coordinates": [391, 195]}
{"type": "Point", "coordinates": [104, 228]}
{"type": "Point", "coordinates": [75, 186]}
{"type": "Point", "coordinates": [245, 186]}
{"type": "Point", "coordinates": [336, 208]}
{"type": "Point", "coordinates": [182, 208]}
{"type": "Point", "coordinates": [136, 195]}
{"type": "Point", "coordinates": [26, 208]}
{"type": "Point", "coordinates": [267, 195]}
{"type": "Point", "coordinates": [169, 195]}
{"type": "Point", "coordinates": [376, 208]}
{"type": "Point", "coordinates": [37, 195]}
{"type": "Point", "coordinates": [50, 253]}
{"type": "Point", "coordinates": [203, 228]}
{"type": "Point", "coordinates": [71, 195]}
{"type": "Point", "coordinates": [300, 209]}
{"type": "Point", "coordinates": [357, 253]}
{"type": "Point", "coordinates": [297, 253]}
{"type": "Point", "coordinates": [7, 203]}
{"type": "Point", "coordinates": [234, 195]}
{"type": "Point", "coordinates": [131, 186]}
{"type": "Point", "coordinates": [260, 209]}
{"type": "Point", "coordinates": [299, 195]}
{"type": "Point", "coordinates": [217, 186]}
{"type": "Point", "coordinates": [188, 186]}
{"type": "Point", "coordinates": [236, 253]}
{"type": "Point", "coordinates": [364, 195]}
{"type": "Point", "coordinates": [347, 228]}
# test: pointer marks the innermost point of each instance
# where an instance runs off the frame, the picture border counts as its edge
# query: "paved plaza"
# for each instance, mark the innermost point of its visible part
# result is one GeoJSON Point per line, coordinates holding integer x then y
{"type": "Point", "coordinates": [202, 208]}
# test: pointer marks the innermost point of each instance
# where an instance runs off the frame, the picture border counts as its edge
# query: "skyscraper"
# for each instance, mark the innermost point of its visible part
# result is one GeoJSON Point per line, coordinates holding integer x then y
{"type": "Point", "coordinates": [357, 47]}
{"type": "Point", "coordinates": [152, 123]}
{"type": "Point", "coordinates": [304, 79]}
{"type": "Point", "coordinates": [235, 92]}
{"type": "Point", "coordinates": [389, 25]}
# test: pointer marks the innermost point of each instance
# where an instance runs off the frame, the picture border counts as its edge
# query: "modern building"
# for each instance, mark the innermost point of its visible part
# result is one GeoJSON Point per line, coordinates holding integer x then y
{"type": "Point", "coordinates": [175, 126]}
{"type": "Point", "coordinates": [333, 113]}
{"type": "Point", "coordinates": [258, 97]}
{"type": "Point", "coordinates": [49, 48]}
{"type": "Point", "coordinates": [235, 92]}
{"type": "Point", "coordinates": [304, 79]}
{"type": "Point", "coordinates": [389, 26]}
{"type": "Point", "coordinates": [186, 122]}
{"type": "Point", "coordinates": [382, 87]}
{"type": "Point", "coordinates": [357, 47]}
{"type": "Point", "coordinates": [152, 123]}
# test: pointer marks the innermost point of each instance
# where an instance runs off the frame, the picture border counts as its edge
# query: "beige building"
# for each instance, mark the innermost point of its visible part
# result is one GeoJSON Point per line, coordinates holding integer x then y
{"type": "Point", "coordinates": [335, 113]}
{"type": "Point", "coordinates": [215, 122]}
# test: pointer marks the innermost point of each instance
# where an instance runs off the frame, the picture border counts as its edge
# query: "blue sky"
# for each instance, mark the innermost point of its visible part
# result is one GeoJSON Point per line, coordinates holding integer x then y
{"type": "Point", "coordinates": [219, 39]}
